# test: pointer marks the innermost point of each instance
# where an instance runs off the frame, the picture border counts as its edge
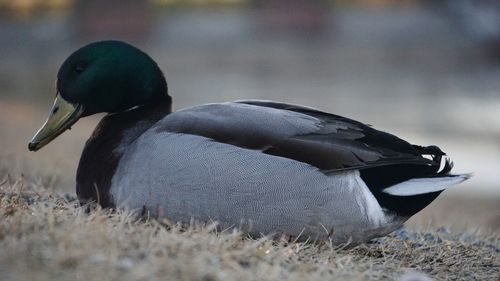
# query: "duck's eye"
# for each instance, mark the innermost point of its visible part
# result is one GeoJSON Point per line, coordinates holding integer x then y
{"type": "Point", "coordinates": [79, 68]}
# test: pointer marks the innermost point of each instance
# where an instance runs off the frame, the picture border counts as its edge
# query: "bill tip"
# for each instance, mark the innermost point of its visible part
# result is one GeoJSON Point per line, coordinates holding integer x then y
{"type": "Point", "coordinates": [32, 146]}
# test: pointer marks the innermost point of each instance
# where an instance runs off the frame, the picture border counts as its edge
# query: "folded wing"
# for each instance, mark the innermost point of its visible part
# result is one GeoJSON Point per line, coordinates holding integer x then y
{"type": "Point", "coordinates": [328, 142]}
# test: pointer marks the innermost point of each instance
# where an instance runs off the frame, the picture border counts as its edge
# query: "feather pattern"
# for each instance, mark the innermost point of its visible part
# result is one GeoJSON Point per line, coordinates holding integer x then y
{"type": "Point", "coordinates": [196, 177]}
{"type": "Point", "coordinates": [326, 141]}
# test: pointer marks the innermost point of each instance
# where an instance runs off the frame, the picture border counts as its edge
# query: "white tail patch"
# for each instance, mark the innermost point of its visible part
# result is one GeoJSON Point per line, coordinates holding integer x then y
{"type": "Point", "coordinates": [419, 186]}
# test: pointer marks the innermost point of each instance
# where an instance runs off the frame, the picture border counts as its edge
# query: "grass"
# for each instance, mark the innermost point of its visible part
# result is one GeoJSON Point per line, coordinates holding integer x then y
{"type": "Point", "coordinates": [45, 235]}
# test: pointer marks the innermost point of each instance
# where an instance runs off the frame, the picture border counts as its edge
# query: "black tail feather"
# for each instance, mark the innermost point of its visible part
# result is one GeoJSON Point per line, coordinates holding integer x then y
{"type": "Point", "coordinates": [379, 178]}
{"type": "Point", "coordinates": [437, 157]}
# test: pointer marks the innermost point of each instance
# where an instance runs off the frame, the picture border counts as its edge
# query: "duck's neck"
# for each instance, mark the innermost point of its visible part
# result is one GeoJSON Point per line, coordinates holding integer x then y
{"type": "Point", "coordinates": [104, 148]}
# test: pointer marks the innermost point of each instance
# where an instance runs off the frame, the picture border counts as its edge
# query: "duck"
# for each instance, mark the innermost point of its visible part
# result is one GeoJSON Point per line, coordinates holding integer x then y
{"type": "Point", "coordinates": [262, 167]}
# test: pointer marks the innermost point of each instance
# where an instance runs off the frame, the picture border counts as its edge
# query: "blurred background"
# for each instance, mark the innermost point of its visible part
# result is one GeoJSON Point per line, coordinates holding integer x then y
{"type": "Point", "coordinates": [428, 71]}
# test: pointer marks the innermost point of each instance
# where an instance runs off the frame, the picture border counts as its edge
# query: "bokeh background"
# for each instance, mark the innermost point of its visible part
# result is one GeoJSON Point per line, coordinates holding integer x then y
{"type": "Point", "coordinates": [428, 71]}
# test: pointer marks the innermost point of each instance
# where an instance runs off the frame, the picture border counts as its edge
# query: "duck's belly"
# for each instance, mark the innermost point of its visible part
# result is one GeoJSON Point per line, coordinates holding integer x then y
{"type": "Point", "coordinates": [181, 177]}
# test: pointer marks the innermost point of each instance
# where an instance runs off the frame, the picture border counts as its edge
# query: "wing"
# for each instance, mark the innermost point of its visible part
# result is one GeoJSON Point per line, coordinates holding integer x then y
{"type": "Point", "coordinates": [329, 142]}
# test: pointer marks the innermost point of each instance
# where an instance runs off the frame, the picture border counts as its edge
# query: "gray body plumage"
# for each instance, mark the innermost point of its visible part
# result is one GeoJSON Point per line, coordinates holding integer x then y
{"type": "Point", "coordinates": [184, 176]}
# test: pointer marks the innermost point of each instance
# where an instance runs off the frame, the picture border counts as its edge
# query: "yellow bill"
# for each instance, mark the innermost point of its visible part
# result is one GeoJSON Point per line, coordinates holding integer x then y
{"type": "Point", "coordinates": [62, 116]}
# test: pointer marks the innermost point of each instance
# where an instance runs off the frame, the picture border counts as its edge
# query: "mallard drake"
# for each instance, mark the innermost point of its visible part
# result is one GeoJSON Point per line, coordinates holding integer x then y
{"type": "Point", "coordinates": [265, 167]}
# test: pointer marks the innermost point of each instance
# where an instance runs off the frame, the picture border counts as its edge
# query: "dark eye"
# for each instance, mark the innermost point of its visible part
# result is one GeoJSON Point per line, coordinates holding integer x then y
{"type": "Point", "coordinates": [79, 68]}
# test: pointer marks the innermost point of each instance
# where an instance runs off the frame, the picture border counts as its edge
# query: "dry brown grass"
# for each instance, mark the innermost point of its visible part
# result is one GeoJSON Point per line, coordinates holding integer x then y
{"type": "Point", "coordinates": [46, 236]}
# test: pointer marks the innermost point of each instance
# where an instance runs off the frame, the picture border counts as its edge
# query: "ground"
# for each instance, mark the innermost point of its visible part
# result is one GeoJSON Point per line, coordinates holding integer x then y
{"type": "Point", "coordinates": [45, 235]}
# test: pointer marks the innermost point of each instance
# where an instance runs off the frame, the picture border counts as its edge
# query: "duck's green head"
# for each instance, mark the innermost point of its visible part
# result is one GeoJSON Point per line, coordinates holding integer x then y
{"type": "Point", "coordinates": [106, 76]}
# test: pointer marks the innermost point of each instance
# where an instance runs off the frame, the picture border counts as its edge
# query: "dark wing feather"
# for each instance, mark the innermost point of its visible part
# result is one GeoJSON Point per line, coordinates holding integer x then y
{"type": "Point", "coordinates": [342, 144]}
{"type": "Point", "coordinates": [327, 141]}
